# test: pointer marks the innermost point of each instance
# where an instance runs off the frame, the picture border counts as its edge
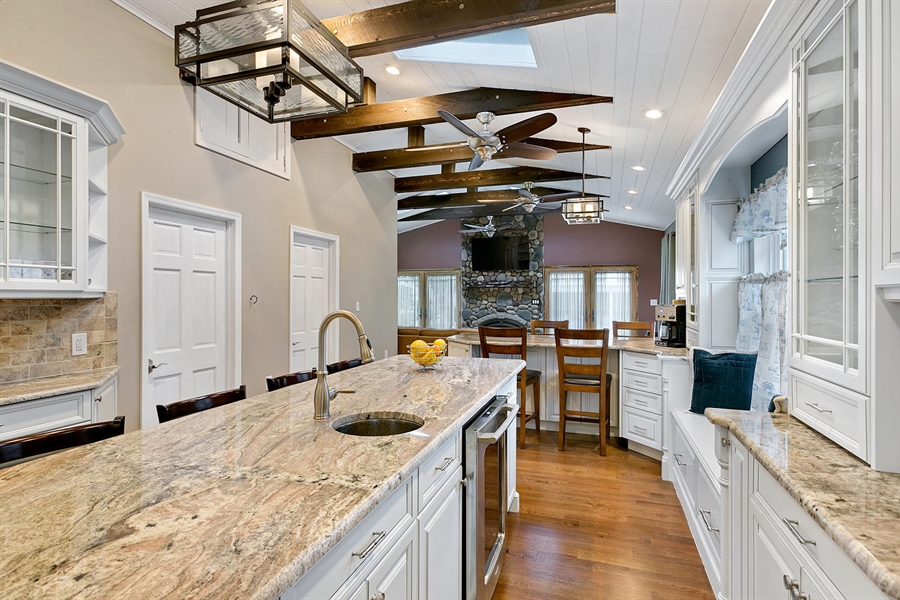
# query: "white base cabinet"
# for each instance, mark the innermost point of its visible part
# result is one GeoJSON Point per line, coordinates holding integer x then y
{"type": "Point", "coordinates": [440, 542]}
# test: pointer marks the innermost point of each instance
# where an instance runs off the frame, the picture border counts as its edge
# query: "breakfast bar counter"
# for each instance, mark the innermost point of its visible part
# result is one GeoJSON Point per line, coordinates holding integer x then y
{"type": "Point", "coordinates": [235, 502]}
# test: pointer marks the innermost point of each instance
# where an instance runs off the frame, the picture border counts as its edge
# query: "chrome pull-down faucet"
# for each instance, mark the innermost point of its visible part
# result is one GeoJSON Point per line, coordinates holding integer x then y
{"type": "Point", "coordinates": [323, 394]}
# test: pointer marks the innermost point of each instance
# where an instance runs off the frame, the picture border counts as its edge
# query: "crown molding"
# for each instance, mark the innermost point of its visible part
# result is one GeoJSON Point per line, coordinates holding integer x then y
{"type": "Point", "coordinates": [149, 18]}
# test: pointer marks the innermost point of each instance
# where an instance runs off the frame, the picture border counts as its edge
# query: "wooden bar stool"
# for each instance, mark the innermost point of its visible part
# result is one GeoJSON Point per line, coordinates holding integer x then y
{"type": "Point", "coordinates": [276, 383]}
{"type": "Point", "coordinates": [28, 446]}
{"type": "Point", "coordinates": [184, 408]}
{"type": "Point", "coordinates": [547, 327]}
{"type": "Point", "coordinates": [581, 375]}
{"type": "Point", "coordinates": [632, 329]}
{"type": "Point", "coordinates": [515, 344]}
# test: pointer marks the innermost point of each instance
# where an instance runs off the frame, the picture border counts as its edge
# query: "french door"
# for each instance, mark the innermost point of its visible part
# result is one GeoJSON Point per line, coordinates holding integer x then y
{"type": "Point", "coordinates": [428, 299]}
{"type": "Point", "coordinates": [591, 297]}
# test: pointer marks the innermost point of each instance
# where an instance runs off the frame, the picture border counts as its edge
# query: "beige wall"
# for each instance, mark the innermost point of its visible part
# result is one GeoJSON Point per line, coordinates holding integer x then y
{"type": "Point", "coordinates": [103, 50]}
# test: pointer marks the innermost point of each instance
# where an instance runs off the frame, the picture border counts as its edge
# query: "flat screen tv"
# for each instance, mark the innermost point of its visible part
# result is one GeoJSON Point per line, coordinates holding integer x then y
{"type": "Point", "coordinates": [509, 253]}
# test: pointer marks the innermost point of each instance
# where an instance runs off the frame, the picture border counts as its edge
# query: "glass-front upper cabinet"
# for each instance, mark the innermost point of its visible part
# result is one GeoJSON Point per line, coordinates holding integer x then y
{"type": "Point", "coordinates": [829, 317]}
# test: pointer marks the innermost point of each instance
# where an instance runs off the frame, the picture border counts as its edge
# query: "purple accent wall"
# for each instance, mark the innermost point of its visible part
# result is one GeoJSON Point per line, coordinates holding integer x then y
{"type": "Point", "coordinates": [438, 247]}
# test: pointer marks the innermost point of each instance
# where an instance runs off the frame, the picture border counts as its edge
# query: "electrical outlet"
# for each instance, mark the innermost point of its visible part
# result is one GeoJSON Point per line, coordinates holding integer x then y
{"type": "Point", "coordinates": [79, 344]}
{"type": "Point", "coordinates": [385, 353]}
{"type": "Point", "coordinates": [653, 301]}
{"type": "Point", "coordinates": [357, 307]}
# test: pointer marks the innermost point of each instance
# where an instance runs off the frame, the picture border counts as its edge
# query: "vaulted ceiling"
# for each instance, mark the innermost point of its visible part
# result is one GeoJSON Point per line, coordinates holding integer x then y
{"type": "Point", "coordinates": [674, 55]}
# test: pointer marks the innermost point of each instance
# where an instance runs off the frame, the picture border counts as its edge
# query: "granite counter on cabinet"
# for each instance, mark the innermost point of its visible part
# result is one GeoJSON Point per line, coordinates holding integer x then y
{"type": "Point", "coordinates": [858, 507]}
{"type": "Point", "coordinates": [45, 387]}
{"type": "Point", "coordinates": [643, 346]}
{"type": "Point", "coordinates": [235, 502]}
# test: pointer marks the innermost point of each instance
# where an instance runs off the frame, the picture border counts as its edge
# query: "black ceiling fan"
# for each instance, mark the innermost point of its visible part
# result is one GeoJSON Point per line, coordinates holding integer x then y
{"type": "Point", "coordinates": [529, 200]}
{"type": "Point", "coordinates": [487, 144]}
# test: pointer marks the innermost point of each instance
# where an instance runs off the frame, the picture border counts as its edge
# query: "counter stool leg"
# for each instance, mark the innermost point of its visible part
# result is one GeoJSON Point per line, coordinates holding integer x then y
{"type": "Point", "coordinates": [562, 420]}
{"type": "Point", "coordinates": [537, 407]}
{"type": "Point", "coordinates": [523, 418]}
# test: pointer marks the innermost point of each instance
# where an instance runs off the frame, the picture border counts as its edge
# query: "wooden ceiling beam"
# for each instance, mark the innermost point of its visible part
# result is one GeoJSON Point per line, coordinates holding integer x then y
{"type": "Point", "coordinates": [384, 160]}
{"type": "Point", "coordinates": [466, 179]}
{"type": "Point", "coordinates": [465, 212]}
{"type": "Point", "coordinates": [469, 198]}
{"type": "Point", "coordinates": [423, 110]}
{"type": "Point", "coordinates": [417, 22]}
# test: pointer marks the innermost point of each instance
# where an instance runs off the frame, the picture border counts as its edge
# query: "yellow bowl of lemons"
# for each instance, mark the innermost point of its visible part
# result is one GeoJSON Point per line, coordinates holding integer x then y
{"type": "Point", "coordinates": [427, 355]}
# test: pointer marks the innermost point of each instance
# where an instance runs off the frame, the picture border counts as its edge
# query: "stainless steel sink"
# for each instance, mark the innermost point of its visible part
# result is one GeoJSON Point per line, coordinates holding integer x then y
{"type": "Point", "coordinates": [378, 424]}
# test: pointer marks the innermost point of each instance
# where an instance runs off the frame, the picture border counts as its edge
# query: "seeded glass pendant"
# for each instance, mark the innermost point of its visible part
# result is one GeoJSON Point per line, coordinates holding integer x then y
{"type": "Point", "coordinates": [272, 58]}
{"type": "Point", "coordinates": [588, 208]}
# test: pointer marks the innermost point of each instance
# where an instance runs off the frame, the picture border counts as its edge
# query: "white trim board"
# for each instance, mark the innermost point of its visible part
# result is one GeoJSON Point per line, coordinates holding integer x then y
{"type": "Point", "coordinates": [233, 285]}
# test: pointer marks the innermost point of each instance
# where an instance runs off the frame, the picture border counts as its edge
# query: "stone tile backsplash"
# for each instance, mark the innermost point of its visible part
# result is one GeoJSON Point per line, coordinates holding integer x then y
{"type": "Point", "coordinates": [36, 336]}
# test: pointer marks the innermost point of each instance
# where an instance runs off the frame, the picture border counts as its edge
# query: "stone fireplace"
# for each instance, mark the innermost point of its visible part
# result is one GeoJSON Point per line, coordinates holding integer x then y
{"type": "Point", "coordinates": [504, 298]}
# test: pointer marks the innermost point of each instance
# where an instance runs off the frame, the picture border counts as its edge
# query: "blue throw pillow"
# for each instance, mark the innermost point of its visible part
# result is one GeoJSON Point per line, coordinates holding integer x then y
{"type": "Point", "coordinates": [722, 380]}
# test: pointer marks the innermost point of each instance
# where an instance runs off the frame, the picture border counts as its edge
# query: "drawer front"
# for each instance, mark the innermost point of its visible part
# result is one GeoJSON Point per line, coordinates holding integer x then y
{"type": "Point", "coordinates": [45, 414]}
{"type": "Point", "coordinates": [642, 427]}
{"type": "Point", "coordinates": [641, 362]}
{"type": "Point", "coordinates": [642, 400]}
{"type": "Point", "coordinates": [645, 382]}
{"type": "Point", "coordinates": [709, 509]}
{"type": "Point", "coordinates": [437, 467]}
{"type": "Point", "coordinates": [834, 411]}
{"type": "Point", "coordinates": [825, 553]}
{"type": "Point", "coordinates": [364, 545]}
{"type": "Point", "coordinates": [684, 462]}
{"type": "Point", "coordinates": [692, 337]}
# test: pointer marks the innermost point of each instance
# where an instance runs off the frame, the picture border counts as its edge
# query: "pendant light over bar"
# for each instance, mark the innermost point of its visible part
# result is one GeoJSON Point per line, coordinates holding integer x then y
{"type": "Point", "coordinates": [588, 208]}
{"type": "Point", "coordinates": [272, 58]}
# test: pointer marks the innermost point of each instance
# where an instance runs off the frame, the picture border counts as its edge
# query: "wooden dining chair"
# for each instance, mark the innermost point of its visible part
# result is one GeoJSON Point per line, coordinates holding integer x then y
{"type": "Point", "coordinates": [29, 446]}
{"type": "Point", "coordinates": [582, 356]}
{"type": "Point", "coordinates": [176, 410]}
{"type": "Point", "coordinates": [514, 343]}
{"type": "Point", "coordinates": [547, 327]}
{"type": "Point", "coordinates": [343, 365]}
{"type": "Point", "coordinates": [632, 329]}
{"type": "Point", "coordinates": [276, 383]}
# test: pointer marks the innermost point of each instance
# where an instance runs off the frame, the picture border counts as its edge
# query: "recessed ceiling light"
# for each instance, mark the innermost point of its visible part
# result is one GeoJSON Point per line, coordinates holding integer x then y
{"type": "Point", "coordinates": [392, 70]}
{"type": "Point", "coordinates": [628, 207]}
{"type": "Point", "coordinates": [654, 113]}
{"type": "Point", "coordinates": [632, 192]}
{"type": "Point", "coordinates": [637, 168]}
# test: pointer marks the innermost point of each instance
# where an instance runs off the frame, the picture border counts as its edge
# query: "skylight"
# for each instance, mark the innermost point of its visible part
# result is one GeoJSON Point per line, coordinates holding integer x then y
{"type": "Point", "coordinates": [502, 49]}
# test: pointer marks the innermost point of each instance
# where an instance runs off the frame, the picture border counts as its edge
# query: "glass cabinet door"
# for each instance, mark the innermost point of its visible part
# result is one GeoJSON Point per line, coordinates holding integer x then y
{"type": "Point", "coordinates": [829, 313]}
{"type": "Point", "coordinates": [37, 194]}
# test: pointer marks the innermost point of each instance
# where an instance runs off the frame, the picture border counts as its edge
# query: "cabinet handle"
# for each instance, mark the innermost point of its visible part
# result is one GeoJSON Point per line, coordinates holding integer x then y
{"type": "Point", "coordinates": [790, 584]}
{"type": "Point", "coordinates": [640, 363]}
{"type": "Point", "coordinates": [725, 442]}
{"type": "Point", "coordinates": [378, 596]}
{"type": "Point", "coordinates": [681, 464]}
{"type": "Point", "coordinates": [99, 398]}
{"type": "Point", "coordinates": [371, 547]}
{"type": "Point", "coordinates": [639, 428]}
{"type": "Point", "coordinates": [639, 401]}
{"type": "Point", "coordinates": [793, 526]}
{"type": "Point", "coordinates": [816, 406]}
{"type": "Point", "coordinates": [705, 514]}
{"type": "Point", "coordinates": [294, 343]}
{"type": "Point", "coordinates": [446, 464]}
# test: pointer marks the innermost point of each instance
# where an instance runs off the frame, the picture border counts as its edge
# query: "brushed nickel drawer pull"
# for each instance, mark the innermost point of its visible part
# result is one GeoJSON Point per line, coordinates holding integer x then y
{"type": "Point", "coordinates": [680, 464]}
{"type": "Point", "coordinates": [793, 526]}
{"type": "Point", "coordinates": [816, 406]}
{"type": "Point", "coordinates": [705, 515]}
{"type": "Point", "coordinates": [447, 461]}
{"type": "Point", "coordinates": [639, 401]}
{"type": "Point", "coordinates": [371, 547]}
{"type": "Point", "coordinates": [378, 596]}
{"type": "Point", "coordinates": [790, 583]}
{"type": "Point", "coordinates": [99, 398]}
{"type": "Point", "coordinates": [639, 428]}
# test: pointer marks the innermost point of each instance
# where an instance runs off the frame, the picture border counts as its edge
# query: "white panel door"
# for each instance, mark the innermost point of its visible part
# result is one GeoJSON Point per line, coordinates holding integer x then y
{"type": "Point", "coordinates": [311, 270]}
{"type": "Point", "coordinates": [188, 332]}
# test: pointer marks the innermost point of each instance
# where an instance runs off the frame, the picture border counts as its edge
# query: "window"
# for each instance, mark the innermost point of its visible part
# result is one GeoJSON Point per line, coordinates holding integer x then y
{"type": "Point", "coordinates": [592, 297]}
{"type": "Point", "coordinates": [428, 299]}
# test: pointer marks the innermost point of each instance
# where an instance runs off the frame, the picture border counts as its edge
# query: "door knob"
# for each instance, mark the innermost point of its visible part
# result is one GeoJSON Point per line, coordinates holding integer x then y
{"type": "Point", "coordinates": [151, 367]}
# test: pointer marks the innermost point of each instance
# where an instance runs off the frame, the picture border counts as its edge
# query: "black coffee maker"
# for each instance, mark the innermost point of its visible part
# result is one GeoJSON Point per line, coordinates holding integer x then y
{"type": "Point", "coordinates": [670, 324]}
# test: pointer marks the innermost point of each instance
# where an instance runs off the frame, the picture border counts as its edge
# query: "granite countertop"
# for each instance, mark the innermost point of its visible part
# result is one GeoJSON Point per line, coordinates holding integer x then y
{"type": "Point", "coordinates": [643, 346]}
{"type": "Point", "coordinates": [857, 506]}
{"type": "Point", "coordinates": [33, 389]}
{"type": "Point", "coordinates": [234, 502]}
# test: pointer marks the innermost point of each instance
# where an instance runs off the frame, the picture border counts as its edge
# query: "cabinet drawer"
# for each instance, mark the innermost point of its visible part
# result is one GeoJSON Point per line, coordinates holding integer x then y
{"type": "Point", "coordinates": [376, 532]}
{"type": "Point", "coordinates": [685, 460]}
{"type": "Point", "coordinates": [709, 509]}
{"type": "Point", "coordinates": [437, 467]}
{"type": "Point", "coordinates": [692, 337]}
{"type": "Point", "coordinates": [645, 382]}
{"type": "Point", "coordinates": [642, 400]}
{"type": "Point", "coordinates": [641, 362]}
{"type": "Point", "coordinates": [824, 553]}
{"type": "Point", "coordinates": [642, 427]}
{"type": "Point", "coordinates": [832, 410]}
{"type": "Point", "coordinates": [45, 414]}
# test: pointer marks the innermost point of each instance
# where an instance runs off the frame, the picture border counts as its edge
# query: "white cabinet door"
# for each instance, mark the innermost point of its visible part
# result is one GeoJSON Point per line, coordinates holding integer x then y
{"type": "Point", "coordinates": [771, 564]}
{"type": "Point", "coordinates": [105, 402]}
{"type": "Point", "coordinates": [440, 538]}
{"type": "Point", "coordinates": [395, 576]}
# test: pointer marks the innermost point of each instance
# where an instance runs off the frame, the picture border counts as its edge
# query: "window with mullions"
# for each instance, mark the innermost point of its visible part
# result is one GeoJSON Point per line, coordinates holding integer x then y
{"type": "Point", "coordinates": [428, 299]}
{"type": "Point", "coordinates": [592, 297]}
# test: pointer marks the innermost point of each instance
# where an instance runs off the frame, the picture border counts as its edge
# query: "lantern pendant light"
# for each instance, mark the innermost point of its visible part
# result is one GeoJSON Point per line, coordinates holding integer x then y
{"type": "Point", "coordinates": [588, 208]}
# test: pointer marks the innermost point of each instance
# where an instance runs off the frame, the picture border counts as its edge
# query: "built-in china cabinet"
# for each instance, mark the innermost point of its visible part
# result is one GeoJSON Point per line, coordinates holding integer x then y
{"type": "Point", "coordinates": [53, 187]}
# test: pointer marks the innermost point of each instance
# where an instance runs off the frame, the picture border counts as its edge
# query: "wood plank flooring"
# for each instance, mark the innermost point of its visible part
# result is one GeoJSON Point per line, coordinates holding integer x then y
{"type": "Point", "coordinates": [596, 528]}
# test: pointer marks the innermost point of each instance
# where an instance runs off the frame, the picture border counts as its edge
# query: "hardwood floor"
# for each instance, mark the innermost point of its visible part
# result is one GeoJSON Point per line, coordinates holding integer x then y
{"type": "Point", "coordinates": [595, 528]}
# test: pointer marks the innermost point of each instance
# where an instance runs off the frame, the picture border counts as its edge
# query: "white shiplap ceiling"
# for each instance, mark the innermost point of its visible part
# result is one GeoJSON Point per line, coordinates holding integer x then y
{"type": "Point", "coordinates": [674, 55]}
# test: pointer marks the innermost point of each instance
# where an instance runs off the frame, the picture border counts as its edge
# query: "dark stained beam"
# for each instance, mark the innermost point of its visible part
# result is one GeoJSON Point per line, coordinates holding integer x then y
{"type": "Point", "coordinates": [417, 22]}
{"type": "Point", "coordinates": [423, 110]}
{"type": "Point", "coordinates": [466, 179]}
{"type": "Point", "coordinates": [383, 160]}
{"type": "Point", "coordinates": [469, 198]}
{"type": "Point", "coordinates": [464, 212]}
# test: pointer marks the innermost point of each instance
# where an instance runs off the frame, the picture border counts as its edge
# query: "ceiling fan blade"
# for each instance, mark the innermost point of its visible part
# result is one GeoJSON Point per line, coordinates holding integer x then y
{"type": "Point", "coordinates": [505, 226]}
{"type": "Point", "coordinates": [495, 201]}
{"type": "Point", "coordinates": [457, 123]}
{"type": "Point", "coordinates": [440, 147]}
{"type": "Point", "coordinates": [516, 205]}
{"type": "Point", "coordinates": [561, 196]}
{"type": "Point", "coordinates": [476, 162]}
{"type": "Point", "coordinates": [526, 194]}
{"type": "Point", "coordinates": [526, 128]}
{"type": "Point", "coordinates": [520, 150]}
{"type": "Point", "coordinates": [550, 205]}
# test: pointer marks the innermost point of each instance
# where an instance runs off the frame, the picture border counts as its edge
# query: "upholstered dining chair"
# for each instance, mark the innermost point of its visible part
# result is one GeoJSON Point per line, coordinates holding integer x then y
{"type": "Point", "coordinates": [582, 356]}
{"type": "Point", "coordinates": [184, 408]}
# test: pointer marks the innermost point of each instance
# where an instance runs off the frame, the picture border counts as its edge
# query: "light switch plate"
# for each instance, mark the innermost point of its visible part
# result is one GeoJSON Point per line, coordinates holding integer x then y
{"type": "Point", "coordinates": [79, 344]}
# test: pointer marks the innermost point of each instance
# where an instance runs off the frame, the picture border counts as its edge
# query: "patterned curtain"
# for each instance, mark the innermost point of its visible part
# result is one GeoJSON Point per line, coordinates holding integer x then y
{"type": "Point", "coordinates": [764, 211]}
{"type": "Point", "coordinates": [566, 297]}
{"type": "Point", "coordinates": [762, 329]}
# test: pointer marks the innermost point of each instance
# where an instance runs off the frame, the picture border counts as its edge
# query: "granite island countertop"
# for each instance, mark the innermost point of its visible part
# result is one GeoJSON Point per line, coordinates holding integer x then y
{"type": "Point", "coordinates": [858, 507]}
{"type": "Point", "coordinates": [34, 389]}
{"type": "Point", "coordinates": [234, 502]}
{"type": "Point", "coordinates": [643, 346]}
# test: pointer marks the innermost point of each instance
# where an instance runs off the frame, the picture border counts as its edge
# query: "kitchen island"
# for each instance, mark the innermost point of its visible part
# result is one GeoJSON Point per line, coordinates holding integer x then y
{"type": "Point", "coordinates": [235, 502]}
